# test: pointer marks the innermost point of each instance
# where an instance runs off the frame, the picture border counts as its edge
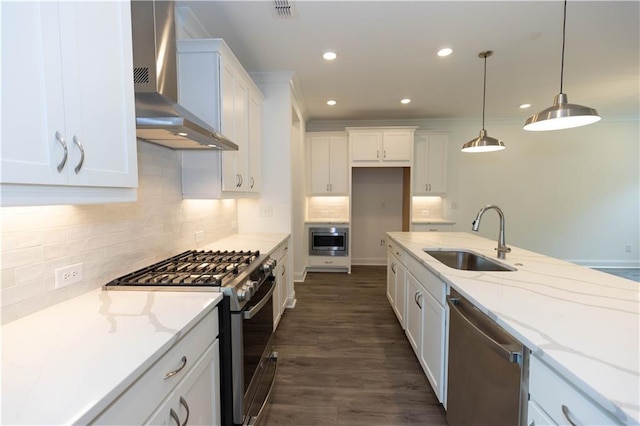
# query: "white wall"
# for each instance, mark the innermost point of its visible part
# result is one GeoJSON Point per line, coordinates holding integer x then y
{"type": "Point", "coordinates": [571, 194]}
{"type": "Point", "coordinates": [376, 209]}
{"type": "Point", "coordinates": [110, 239]}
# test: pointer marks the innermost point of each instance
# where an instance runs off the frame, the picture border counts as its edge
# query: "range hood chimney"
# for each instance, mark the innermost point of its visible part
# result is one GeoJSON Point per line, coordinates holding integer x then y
{"type": "Point", "coordinates": [159, 117]}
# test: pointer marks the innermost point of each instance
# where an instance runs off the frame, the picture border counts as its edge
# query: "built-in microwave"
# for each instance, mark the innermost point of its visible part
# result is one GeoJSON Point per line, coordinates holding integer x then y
{"type": "Point", "coordinates": [328, 241]}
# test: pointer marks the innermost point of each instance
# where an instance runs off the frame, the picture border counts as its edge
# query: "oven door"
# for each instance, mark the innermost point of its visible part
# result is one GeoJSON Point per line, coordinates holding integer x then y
{"type": "Point", "coordinates": [259, 361]}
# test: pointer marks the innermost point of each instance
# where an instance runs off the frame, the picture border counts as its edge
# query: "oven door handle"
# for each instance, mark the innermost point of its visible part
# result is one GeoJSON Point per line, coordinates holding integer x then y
{"type": "Point", "coordinates": [249, 313]}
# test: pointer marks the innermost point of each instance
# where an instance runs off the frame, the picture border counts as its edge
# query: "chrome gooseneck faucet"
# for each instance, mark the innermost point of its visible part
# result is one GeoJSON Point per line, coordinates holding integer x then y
{"type": "Point", "coordinates": [502, 246]}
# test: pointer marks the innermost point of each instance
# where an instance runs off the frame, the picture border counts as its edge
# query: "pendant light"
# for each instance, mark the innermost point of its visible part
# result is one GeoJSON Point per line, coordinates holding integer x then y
{"type": "Point", "coordinates": [562, 115]}
{"type": "Point", "coordinates": [483, 143]}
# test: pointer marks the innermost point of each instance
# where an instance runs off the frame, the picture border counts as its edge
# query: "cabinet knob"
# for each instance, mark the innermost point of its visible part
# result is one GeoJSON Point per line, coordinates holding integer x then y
{"type": "Point", "coordinates": [61, 141]}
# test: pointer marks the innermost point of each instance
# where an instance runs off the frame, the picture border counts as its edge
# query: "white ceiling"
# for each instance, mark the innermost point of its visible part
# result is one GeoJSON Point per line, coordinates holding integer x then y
{"type": "Point", "coordinates": [387, 51]}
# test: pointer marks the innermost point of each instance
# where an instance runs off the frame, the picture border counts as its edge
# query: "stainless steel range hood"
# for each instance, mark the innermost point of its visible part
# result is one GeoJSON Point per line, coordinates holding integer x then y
{"type": "Point", "coordinates": [159, 117]}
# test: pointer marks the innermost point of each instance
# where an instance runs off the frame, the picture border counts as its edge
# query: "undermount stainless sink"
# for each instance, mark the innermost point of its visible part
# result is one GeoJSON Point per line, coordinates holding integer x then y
{"type": "Point", "coordinates": [466, 260]}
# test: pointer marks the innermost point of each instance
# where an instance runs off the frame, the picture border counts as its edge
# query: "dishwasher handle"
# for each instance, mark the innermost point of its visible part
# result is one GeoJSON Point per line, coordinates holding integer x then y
{"type": "Point", "coordinates": [506, 351]}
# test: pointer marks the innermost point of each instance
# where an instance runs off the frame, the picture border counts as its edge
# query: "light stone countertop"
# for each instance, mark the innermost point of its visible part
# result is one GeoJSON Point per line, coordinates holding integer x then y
{"type": "Point", "coordinates": [584, 323]}
{"type": "Point", "coordinates": [327, 221]}
{"type": "Point", "coordinates": [66, 363]}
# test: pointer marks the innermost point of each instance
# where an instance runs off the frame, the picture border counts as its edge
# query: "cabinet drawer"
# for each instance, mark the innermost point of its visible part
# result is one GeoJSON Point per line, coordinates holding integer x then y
{"type": "Point", "coordinates": [134, 405]}
{"type": "Point", "coordinates": [279, 253]}
{"type": "Point", "coordinates": [552, 392]}
{"type": "Point", "coordinates": [396, 251]}
{"type": "Point", "coordinates": [329, 261]}
{"type": "Point", "coordinates": [429, 281]}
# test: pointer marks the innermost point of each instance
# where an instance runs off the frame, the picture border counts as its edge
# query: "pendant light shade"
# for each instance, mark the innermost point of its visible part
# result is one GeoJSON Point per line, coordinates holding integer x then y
{"type": "Point", "coordinates": [483, 143]}
{"type": "Point", "coordinates": [562, 115]}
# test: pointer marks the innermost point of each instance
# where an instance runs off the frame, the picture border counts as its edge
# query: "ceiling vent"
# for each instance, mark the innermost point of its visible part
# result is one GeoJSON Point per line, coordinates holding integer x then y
{"type": "Point", "coordinates": [284, 9]}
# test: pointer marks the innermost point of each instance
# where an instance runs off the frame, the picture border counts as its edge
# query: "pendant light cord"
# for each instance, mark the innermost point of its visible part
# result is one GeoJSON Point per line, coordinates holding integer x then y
{"type": "Point", "coordinates": [564, 27]}
{"type": "Point", "coordinates": [484, 90]}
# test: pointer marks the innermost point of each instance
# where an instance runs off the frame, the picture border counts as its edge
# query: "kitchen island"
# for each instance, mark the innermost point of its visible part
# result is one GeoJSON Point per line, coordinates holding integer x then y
{"type": "Point", "coordinates": [582, 323]}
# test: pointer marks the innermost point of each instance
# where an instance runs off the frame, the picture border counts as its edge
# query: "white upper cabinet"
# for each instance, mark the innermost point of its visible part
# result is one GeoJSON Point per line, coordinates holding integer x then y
{"type": "Point", "coordinates": [213, 85]}
{"type": "Point", "coordinates": [430, 164]}
{"type": "Point", "coordinates": [381, 146]}
{"type": "Point", "coordinates": [68, 114]}
{"type": "Point", "coordinates": [329, 167]}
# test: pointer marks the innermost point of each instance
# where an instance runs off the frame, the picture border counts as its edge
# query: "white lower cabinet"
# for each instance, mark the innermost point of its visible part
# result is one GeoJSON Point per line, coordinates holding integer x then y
{"type": "Point", "coordinates": [185, 379]}
{"type": "Point", "coordinates": [422, 297]}
{"type": "Point", "coordinates": [560, 401]}
{"type": "Point", "coordinates": [396, 278]}
{"type": "Point", "coordinates": [433, 343]}
{"type": "Point", "coordinates": [414, 313]}
{"type": "Point", "coordinates": [195, 400]}
{"type": "Point", "coordinates": [281, 294]}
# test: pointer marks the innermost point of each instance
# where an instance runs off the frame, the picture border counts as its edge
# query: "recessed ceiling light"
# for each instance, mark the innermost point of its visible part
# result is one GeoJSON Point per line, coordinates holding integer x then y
{"type": "Point", "coordinates": [445, 51]}
{"type": "Point", "coordinates": [182, 134]}
{"type": "Point", "coordinates": [212, 146]}
{"type": "Point", "coordinates": [405, 101]}
{"type": "Point", "coordinates": [331, 102]}
{"type": "Point", "coordinates": [330, 56]}
{"type": "Point", "coordinates": [525, 106]}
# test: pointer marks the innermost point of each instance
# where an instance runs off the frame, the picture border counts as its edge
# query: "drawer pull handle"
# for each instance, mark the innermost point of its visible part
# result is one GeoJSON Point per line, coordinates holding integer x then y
{"type": "Point", "coordinates": [567, 415]}
{"type": "Point", "coordinates": [176, 371]}
{"type": "Point", "coordinates": [186, 406]}
{"type": "Point", "coordinates": [61, 141]}
{"type": "Point", "coordinates": [174, 416]}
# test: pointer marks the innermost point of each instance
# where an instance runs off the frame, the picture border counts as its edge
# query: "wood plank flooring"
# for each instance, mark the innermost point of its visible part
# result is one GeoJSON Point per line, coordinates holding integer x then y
{"type": "Point", "coordinates": [345, 360]}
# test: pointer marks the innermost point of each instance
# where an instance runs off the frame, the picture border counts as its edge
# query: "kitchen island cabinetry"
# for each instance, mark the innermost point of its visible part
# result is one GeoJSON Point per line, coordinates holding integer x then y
{"type": "Point", "coordinates": [68, 116]}
{"type": "Point", "coordinates": [381, 147]}
{"type": "Point", "coordinates": [396, 281]}
{"type": "Point", "coordinates": [430, 164]}
{"type": "Point", "coordinates": [213, 85]}
{"type": "Point", "coordinates": [426, 323]}
{"type": "Point", "coordinates": [558, 401]}
{"type": "Point", "coordinates": [582, 369]}
{"type": "Point", "coordinates": [328, 163]}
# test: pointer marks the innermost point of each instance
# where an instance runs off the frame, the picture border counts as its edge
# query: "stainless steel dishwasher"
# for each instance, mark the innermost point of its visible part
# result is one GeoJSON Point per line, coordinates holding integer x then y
{"type": "Point", "coordinates": [487, 369]}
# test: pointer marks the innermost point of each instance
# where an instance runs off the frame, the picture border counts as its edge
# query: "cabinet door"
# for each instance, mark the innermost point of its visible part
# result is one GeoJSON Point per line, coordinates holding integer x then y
{"type": "Point", "coordinates": [338, 165]}
{"type": "Point", "coordinates": [68, 79]}
{"type": "Point", "coordinates": [196, 397]}
{"type": "Point", "coordinates": [254, 172]}
{"type": "Point", "coordinates": [430, 164]}
{"type": "Point", "coordinates": [414, 313]}
{"type": "Point", "coordinates": [397, 145]}
{"type": "Point", "coordinates": [230, 179]}
{"type": "Point", "coordinates": [32, 96]}
{"type": "Point", "coordinates": [392, 267]}
{"type": "Point", "coordinates": [320, 161]}
{"type": "Point", "coordinates": [99, 100]}
{"type": "Point", "coordinates": [401, 297]}
{"type": "Point", "coordinates": [284, 288]}
{"type": "Point", "coordinates": [433, 341]}
{"type": "Point", "coordinates": [366, 146]}
{"type": "Point", "coordinates": [537, 417]}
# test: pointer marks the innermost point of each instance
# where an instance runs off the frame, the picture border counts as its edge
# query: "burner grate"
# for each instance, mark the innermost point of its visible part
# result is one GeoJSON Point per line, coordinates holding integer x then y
{"type": "Point", "coordinates": [191, 268]}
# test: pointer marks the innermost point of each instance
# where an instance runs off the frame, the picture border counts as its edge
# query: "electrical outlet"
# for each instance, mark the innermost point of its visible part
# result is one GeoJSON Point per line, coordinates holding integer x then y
{"type": "Point", "coordinates": [266, 211]}
{"type": "Point", "coordinates": [199, 236]}
{"type": "Point", "coordinates": [627, 248]}
{"type": "Point", "coordinates": [68, 275]}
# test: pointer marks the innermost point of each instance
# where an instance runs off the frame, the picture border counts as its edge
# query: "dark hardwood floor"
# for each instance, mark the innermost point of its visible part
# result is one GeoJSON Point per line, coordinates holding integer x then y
{"type": "Point", "coordinates": [345, 360]}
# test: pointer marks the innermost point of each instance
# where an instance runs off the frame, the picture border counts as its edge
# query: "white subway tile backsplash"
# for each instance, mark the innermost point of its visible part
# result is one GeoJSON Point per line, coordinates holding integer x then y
{"type": "Point", "coordinates": [110, 239]}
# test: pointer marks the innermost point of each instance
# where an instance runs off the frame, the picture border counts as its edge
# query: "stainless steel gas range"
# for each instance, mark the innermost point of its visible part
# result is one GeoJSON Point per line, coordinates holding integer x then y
{"type": "Point", "coordinates": [248, 362]}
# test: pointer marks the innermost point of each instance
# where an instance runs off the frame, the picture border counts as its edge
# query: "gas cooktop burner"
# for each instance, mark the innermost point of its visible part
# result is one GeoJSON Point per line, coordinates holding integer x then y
{"type": "Point", "coordinates": [191, 268]}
